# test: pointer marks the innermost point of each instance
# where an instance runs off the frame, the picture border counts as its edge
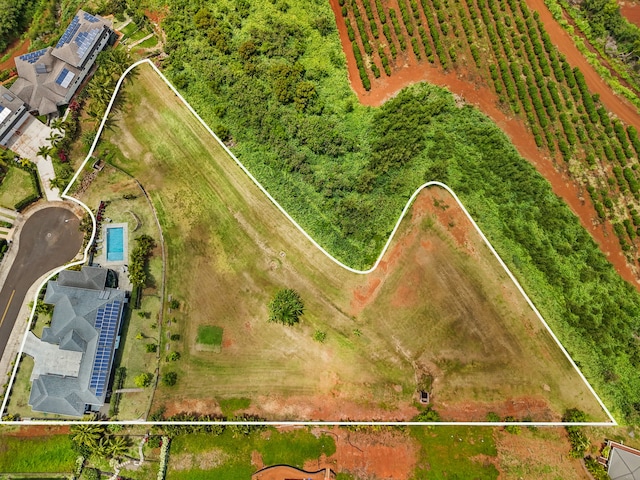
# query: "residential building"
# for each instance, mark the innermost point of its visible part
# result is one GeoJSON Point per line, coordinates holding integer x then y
{"type": "Point", "coordinates": [74, 358]}
{"type": "Point", "coordinates": [13, 113]}
{"type": "Point", "coordinates": [49, 78]}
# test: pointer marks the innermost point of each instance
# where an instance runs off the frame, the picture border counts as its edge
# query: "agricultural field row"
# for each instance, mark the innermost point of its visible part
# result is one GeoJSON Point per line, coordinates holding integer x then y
{"type": "Point", "coordinates": [507, 45]}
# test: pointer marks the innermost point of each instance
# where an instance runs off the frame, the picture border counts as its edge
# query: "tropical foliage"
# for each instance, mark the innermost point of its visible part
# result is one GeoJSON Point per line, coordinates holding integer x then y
{"type": "Point", "coordinates": [286, 307]}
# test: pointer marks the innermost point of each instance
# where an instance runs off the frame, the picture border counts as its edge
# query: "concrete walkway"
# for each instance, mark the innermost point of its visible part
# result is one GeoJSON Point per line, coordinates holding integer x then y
{"type": "Point", "coordinates": [9, 212]}
{"type": "Point", "coordinates": [33, 135]}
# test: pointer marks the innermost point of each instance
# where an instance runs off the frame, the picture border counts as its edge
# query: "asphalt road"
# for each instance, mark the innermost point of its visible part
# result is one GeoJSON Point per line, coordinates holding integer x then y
{"type": "Point", "coordinates": [49, 238]}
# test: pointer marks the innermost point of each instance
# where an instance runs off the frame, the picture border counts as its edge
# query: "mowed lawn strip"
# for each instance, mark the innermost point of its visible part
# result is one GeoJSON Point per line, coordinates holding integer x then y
{"type": "Point", "coordinates": [230, 249]}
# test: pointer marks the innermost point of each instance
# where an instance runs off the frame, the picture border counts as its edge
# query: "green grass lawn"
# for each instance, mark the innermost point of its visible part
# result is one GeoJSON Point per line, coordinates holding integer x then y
{"type": "Point", "coordinates": [16, 186]}
{"type": "Point", "coordinates": [454, 452]}
{"type": "Point", "coordinates": [138, 35]}
{"type": "Point", "coordinates": [129, 29]}
{"type": "Point", "coordinates": [36, 454]}
{"type": "Point", "coordinates": [148, 43]}
{"type": "Point", "coordinates": [230, 456]}
{"type": "Point", "coordinates": [230, 406]}
{"type": "Point", "coordinates": [210, 335]}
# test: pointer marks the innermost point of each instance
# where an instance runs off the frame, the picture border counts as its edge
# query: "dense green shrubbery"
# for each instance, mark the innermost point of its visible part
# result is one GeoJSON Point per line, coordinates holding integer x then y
{"type": "Point", "coordinates": [345, 173]}
{"type": "Point", "coordinates": [16, 16]}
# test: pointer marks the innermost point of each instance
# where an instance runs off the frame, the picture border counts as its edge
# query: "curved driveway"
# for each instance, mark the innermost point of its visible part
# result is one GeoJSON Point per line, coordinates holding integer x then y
{"type": "Point", "coordinates": [48, 239]}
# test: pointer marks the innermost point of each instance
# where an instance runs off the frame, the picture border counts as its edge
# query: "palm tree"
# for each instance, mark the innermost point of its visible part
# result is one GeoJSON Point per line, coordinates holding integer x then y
{"type": "Point", "coordinates": [102, 446]}
{"type": "Point", "coordinates": [44, 151]}
{"type": "Point", "coordinates": [118, 447]}
{"type": "Point", "coordinates": [88, 435]}
{"type": "Point", "coordinates": [54, 138]}
{"type": "Point", "coordinates": [57, 123]}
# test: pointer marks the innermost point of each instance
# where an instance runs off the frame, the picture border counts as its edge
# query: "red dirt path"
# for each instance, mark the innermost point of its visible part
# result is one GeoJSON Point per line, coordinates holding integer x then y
{"type": "Point", "coordinates": [39, 431]}
{"type": "Point", "coordinates": [475, 92]}
{"type": "Point", "coordinates": [16, 48]}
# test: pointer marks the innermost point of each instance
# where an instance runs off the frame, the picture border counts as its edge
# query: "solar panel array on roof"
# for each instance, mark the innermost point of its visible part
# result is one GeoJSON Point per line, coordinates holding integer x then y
{"type": "Point", "coordinates": [107, 323]}
{"type": "Point", "coordinates": [64, 78]}
{"type": "Point", "coordinates": [4, 113]}
{"type": "Point", "coordinates": [8, 97]}
{"type": "Point", "coordinates": [91, 18]}
{"type": "Point", "coordinates": [33, 56]}
{"type": "Point", "coordinates": [85, 40]}
{"type": "Point", "coordinates": [69, 32]}
{"type": "Point", "coordinates": [41, 68]}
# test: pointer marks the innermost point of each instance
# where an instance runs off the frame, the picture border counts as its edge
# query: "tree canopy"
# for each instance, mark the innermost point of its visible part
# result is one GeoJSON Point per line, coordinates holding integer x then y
{"type": "Point", "coordinates": [286, 307]}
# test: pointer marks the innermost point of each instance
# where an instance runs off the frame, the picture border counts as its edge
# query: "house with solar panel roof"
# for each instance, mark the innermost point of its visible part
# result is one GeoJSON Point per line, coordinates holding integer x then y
{"type": "Point", "coordinates": [13, 114]}
{"type": "Point", "coordinates": [74, 358]}
{"type": "Point", "coordinates": [49, 78]}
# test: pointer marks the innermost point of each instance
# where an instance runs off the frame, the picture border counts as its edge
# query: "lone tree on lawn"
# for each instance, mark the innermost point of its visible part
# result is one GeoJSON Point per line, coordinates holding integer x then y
{"type": "Point", "coordinates": [286, 307]}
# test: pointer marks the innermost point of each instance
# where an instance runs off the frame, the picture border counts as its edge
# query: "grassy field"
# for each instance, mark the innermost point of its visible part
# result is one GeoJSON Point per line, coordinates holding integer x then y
{"type": "Point", "coordinates": [230, 250]}
{"type": "Point", "coordinates": [36, 454]}
{"type": "Point", "coordinates": [18, 401]}
{"type": "Point", "coordinates": [15, 186]}
{"type": "Point", "coordinates": [229, 457]}
{"type": "Point", "coordinates": [455, 452]}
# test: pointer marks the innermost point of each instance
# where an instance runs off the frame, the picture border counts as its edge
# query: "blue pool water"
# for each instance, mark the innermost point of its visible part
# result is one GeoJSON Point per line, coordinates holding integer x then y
{"type": "Point", "coordinates": [115, 244]}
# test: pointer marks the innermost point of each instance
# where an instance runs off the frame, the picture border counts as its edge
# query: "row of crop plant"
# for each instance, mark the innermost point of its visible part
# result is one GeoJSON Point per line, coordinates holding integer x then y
{"type": "Point", "coordinates": [515, 56]}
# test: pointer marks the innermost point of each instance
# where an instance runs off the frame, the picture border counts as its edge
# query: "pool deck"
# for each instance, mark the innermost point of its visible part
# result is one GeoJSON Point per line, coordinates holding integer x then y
{"type": "Point", "coordinates": [120, 266]}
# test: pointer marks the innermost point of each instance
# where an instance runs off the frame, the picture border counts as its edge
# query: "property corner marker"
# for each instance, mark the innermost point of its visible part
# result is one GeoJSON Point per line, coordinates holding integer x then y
{"type": "Point", "coordinates": [327, 254]}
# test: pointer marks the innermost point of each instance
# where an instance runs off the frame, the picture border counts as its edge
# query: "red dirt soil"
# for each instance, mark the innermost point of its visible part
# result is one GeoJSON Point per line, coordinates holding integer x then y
{"type": "Point", "coordinates": [520, 407]}
{"type": "Point", "coordinates": [631, 11]}
{"type": "Point", "coordinates": [17, 48]}
{"type": "Point", "coordinates": [39, 431]}
{"type": "Point", "coordinates": [474, 91]}
{"type": "Point", "coordinates": [383, 455]}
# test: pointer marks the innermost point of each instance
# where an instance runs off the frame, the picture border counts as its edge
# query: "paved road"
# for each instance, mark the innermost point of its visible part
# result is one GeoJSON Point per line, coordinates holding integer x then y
{"type": "Point", "coordinates": [49, 238]}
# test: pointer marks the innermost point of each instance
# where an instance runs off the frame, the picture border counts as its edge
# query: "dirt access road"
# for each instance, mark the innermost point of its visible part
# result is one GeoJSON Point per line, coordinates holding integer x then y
{"type": "Point", "coordinates": [472, 89]}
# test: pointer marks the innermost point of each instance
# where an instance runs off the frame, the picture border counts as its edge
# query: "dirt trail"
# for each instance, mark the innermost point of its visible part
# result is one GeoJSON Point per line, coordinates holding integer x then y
{"type": "Point", "coordinates": [613, 102]}
{"type": "Point", "coordinates": [474, 91]}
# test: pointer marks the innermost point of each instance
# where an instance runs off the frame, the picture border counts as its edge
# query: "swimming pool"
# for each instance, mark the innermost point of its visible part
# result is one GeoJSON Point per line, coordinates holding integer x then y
{"type": "Point", "coordinates": [115, 244]}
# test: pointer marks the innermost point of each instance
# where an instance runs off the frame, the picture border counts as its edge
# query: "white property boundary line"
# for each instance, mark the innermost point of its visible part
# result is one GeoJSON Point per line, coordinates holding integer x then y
{"type": "Point", "coordinates": [327, 254]}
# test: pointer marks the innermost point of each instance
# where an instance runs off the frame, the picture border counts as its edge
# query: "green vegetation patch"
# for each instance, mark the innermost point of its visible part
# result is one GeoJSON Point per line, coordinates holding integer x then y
{"type": "Point", "coordinates": [294, 448]}
{"type": "Point", "coordinates": [230, 455]}
{"type": "Point", "coordinates": [230, 406]}
{"type": "Point", "coordinates": [210, 336]}
{"type": "Point", "coordinates": [36, 454]}
{"type": "Point", "coordinates": [148, 43]}
{"type": "Point", "coordinates": [448, 452]}
{"type": "Point", "coordinates": [16, 186]}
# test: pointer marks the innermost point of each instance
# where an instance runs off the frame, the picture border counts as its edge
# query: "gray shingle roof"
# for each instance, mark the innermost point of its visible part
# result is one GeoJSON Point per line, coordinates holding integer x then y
{"type": "Point", "coordinates": [50, 77]}
{"type": "Point", "coordinates": [93, 278]}
{"type": "Point", "coordinates": [624, 463]}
